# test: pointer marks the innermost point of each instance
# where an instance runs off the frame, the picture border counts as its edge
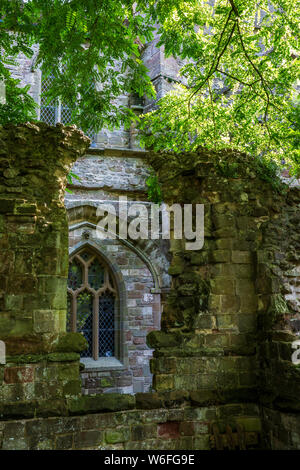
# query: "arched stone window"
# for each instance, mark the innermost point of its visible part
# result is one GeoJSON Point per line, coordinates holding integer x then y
{"type": "Point", "coordinates": [93, 303]}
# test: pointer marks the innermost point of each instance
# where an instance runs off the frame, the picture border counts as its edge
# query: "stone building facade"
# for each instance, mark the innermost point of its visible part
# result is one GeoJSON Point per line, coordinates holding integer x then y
{"type": "Point", "coordinates": [140, 266]}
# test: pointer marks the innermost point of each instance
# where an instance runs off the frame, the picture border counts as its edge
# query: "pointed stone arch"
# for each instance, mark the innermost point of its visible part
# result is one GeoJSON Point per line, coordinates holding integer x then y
{"type": "Point", "coordinates": [113, 286]}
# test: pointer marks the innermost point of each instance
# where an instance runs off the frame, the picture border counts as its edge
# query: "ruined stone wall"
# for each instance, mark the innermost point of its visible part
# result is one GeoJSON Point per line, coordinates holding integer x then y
{"type": "Point", "coordinates": [41, 360]}
{"type": "Point", "coordinates": [210, 320]}
{"type": "Point", "coordinates": [222, 365]}
{"type": "Point", "coordinates": [141, 422]}
{"type": "Point", "coordinates": [278, 285]}
{"type": "Point", "coordinates": [233, 311]}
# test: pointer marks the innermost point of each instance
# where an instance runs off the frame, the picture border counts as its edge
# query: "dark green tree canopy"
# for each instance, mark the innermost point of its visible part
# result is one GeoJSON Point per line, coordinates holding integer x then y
{"type": "Point", "coordinates": [80, 43]}
{"type": "Point", "coordinates": [241, 68]}
{"type": "Point", "coordinates": [241, 77]}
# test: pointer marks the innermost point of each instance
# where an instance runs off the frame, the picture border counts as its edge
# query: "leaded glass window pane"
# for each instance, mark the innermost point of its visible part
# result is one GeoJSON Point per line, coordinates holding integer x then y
{"type": "Point", "coordinates": [85, 255]}
{"type": "Point", "coordinates": [106, 325]}
{"type": "Point", "coordinates": [66, 115]}
{"type": "Point", "coordinates": [96, 275]}
{"type": "Point", "coordinates": [56, 111]}
{"type": "Point", "coordinates": [75, 275]}
{"type": "Point", "coordinates": [85, 320]}
{"type": "Point", "coordinates": [48, 115]}
{"type": "Point", "coordinates": [48, 112]}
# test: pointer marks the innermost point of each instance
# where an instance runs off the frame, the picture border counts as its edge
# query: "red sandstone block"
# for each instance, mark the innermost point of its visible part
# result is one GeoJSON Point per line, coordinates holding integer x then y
{"type": "Point", "coordinates": [139, 340]}
{"type": "Point", "coordinates": [134, 295]}
{"type": "Point", "coordinates": [128, 335]}
{"type": "Point", "coordinates": [169, 430]}
{"type": "Point", "coordinates": [187, 428]}
{"type": "Point", "coordinates": [14, 375]}
{"type": "Point", "coordinates": [139, 286]}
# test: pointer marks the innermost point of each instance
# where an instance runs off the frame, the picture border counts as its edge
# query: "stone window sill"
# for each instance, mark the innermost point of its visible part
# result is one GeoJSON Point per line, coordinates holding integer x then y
{"type": "Point", "coordinates": [102, 364]}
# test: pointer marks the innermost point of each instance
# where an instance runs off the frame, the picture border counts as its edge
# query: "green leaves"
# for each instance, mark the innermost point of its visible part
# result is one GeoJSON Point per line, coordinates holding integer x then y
{"type": "Point", "coordinates": [70, 177]}
{"type": "Point", "coordinates": [19, 106]}
{"type": "Point", "coordinates": [154, 189]}
{"type": "Point", "coordinates": [241, 71]}
{"type": "Point", "coordinates": [240, 68]}
{"type": "Point", "coordinates": [82, 43]}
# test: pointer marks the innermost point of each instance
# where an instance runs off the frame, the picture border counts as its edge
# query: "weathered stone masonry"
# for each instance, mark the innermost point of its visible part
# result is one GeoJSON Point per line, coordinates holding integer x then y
{"type": "Point", "coordinates": [144, 421]}
{"type": "Point", "coordinates": [34, 161]}
{"type": "Point", "coordinates": [233, 311]}
{"type": "Point", "coordinates": [141, 266]}
{"type": "Point", "coordinates": [222, 361]}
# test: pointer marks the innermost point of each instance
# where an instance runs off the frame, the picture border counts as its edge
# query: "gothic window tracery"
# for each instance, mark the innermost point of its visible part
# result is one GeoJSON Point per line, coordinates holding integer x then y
{"type": "Point", "coordinates": [92, 296]}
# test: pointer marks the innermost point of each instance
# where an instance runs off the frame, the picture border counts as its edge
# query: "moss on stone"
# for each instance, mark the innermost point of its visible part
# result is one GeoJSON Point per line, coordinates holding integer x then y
{"type": "Point", "coordinates": [160, 339]}
{"type": "Point", "coordinates": [104, 402]}
{"type": "Point", "coordinates": [71, 388]}
{"type": "Point", "coordinates": [18, 410]}
{"type": "Point", "coordinates": [48, 408]}
{"type": "Point", "coordinates": [148, 401]}
{"type": "Point", "coordinates": [106, 382]}
{"type": "Point", "coordinates": [26, 358]}
{"type": "Point", "coordinates": [70, 342]}
{"type": "Point", "coordinates": [63, 357]}
{"type": "Point", "coordinates": [114, 437]}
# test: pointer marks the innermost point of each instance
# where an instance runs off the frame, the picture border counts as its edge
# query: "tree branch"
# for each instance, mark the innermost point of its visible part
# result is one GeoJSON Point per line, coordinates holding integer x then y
{"type": "Point", "coordinates": [262, 80]}
{"type": "Point", "coordinates": [237, 79]}
{"type": "Point", "coordinates": [216, 61]}
{"type": "Point", "coordinates": [234, 7]}
{"type": "Point", "coordinates": [213, 114]}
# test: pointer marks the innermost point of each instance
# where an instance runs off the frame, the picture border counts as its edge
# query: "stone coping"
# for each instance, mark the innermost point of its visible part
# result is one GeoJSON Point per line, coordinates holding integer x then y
{"type": "Point", "coordinates": [120, 153]}
{"type": "Point", "coordinates": [51, 357]}
{"type": "Point", "coordinates": [110, 402]}
{"type": "Point", "coordinates": [102, 364]}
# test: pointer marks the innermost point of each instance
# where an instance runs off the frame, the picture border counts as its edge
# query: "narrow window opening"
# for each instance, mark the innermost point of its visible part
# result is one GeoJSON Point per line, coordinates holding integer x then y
{"type": "Point", "coordinates": [56, 111]}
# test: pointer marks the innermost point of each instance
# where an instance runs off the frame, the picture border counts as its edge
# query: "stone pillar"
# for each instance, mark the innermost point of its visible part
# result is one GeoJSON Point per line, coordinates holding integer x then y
{"type": "Point", "coordinates": [42, 361]}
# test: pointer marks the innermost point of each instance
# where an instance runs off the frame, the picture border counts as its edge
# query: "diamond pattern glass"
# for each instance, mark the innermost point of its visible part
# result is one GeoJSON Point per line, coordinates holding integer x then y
{"type": "Point", "coordinates": [48, 115]}
{"type": "Point", "coordinates": [85, 255]}
{"type": "Point", "coordinates": [48, 111]}
{"type": "Point", "coordinates": [75, 275]}
{"type": "Point", "coordinates": [85, 320]}
{"type": "Point", "coordinates": [81, 306]}
{"type": "Point", "coordinates": [106, 325]}
{"type": "Point", "coordinates": [66, 115]}
{"type": "Point", "coordinates": [96, 275]}
{"type": "Point", "coordinates": [91, 134]}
